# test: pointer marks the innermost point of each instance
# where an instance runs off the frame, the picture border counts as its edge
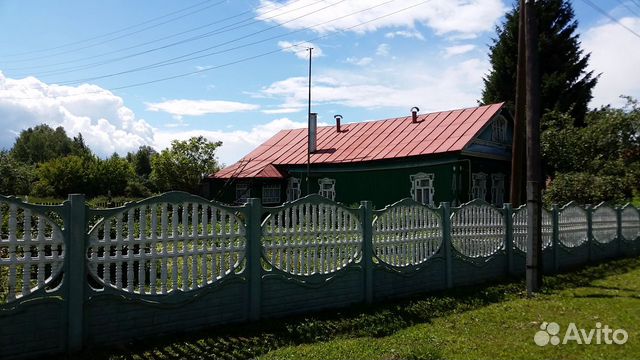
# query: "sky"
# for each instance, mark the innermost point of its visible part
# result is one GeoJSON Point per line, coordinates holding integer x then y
{"type": "Point", "coordinates": [131, 73]}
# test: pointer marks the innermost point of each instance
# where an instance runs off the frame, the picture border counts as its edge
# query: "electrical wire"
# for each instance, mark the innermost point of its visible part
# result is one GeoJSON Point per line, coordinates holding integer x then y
{"type": "Point", "coordinates": [599, 9]}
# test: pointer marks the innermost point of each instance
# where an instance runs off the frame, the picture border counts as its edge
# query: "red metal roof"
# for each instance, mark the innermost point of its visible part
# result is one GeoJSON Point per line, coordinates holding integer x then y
{"type": "Point", "coordinates": [440, 132]}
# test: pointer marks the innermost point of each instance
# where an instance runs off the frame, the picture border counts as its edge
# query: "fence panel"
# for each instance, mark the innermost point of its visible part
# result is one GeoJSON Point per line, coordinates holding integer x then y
{"type": "Point", "coordinates": [32, 288]}
{"type": "Point", "coordinates": [573, 237]}
{"type": "Point", "coordinates": [317, 241]}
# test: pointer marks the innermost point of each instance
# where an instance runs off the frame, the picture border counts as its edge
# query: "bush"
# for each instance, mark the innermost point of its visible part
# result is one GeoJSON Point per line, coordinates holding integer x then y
{"type": "Point", "coordinates": [586, 188]}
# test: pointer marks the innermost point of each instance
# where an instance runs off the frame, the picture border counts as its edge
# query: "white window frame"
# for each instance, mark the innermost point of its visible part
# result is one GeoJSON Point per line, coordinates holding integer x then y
{"type": "Point", "coordinates": [497, 189]}
{"type": "Point", "coordinates": [420, 191]}
{"type": "Point", "coordinates": [293, 189]}
{"type": "Point", "coordinates": [328, 192]}
{"type": "Point", "coordinates": [271, 193]}
{"type": "Point", "coordinates": [242, 192]}
{"type": "Point", "coordinates": [479, 186]}
{"type": "Point", "coordinates": [499, 129]}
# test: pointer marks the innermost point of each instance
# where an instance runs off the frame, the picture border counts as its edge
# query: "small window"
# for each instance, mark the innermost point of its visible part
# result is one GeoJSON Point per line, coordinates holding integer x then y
{"type": "Point", "coordinates": [242, 192]}
{"type": "Point", "coordinates": [499, 129]}
{"type": "Point", "coordinates": [422, 189]}
{"type": "Point", "coordinates": [479, 186]}
{"type": "Point", "coordinates": [497, 189]}
{"type": "Point", "coordinates": [327, 188]}
{"type": "Point", "coordinates": [293, 189]}
{"type": "Point", "coordinates": [270, 193]}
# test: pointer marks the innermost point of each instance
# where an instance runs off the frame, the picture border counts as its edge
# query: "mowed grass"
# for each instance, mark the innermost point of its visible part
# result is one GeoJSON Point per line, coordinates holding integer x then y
{"type": "Point", "coordinates": [505, 330]}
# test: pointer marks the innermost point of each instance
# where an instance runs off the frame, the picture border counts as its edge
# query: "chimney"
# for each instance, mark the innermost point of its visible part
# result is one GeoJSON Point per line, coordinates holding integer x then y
{"type": "Point", "coordinates": [313, 132]}
{"type": "Point", "coordinates": [338, 118]}
{"type": "Point", "coordinates": [414, 114]}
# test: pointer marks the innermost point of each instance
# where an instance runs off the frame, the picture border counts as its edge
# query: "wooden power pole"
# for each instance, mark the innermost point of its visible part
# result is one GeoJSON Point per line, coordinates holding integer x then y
{"type": "Point", "coordinates": [534, 165]}
{"type": "Point", "coordinates": [518, 160]}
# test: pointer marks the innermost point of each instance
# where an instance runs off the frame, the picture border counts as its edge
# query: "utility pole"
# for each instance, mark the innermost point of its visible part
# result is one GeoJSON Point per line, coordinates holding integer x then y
{"type": "Point", "coordinates": [534, 165]}
{"type": "Point", "coordinates": [309, 125]}
{"type": "Point", "coordinates": [518, 165]}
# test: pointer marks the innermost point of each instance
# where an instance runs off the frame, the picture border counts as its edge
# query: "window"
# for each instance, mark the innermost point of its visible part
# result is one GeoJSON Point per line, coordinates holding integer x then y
{"type": "Point", "coordinates": [327, 188]}
{"type": "Point", "coordinates": [497, 189]}
{"type": "Point", "coordinates": [422, 189]}
{"type": "Point", "coordinates": [270, 193]}
{"type": "Point", "coordinates": [499, 129]}
{"type": "Point", "coordinates": [293, 189]}
{"type": "Point", "coordinates": [479, 186]}
{"type": "Point", "coordinates": [242, 192]}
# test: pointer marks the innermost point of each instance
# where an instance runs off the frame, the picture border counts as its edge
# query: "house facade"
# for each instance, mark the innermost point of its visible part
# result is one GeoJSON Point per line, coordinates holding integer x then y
{"type": "Point", "coordinates": [453, 156]}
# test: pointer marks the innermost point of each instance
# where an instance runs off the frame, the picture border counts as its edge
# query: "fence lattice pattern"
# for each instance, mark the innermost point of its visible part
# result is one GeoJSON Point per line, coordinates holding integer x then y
{"type": "Point", "coordinates": [477, 230]}
{"type": "Point", "coordinates": [630, 223]}
{"type": "Point", "coordinates": [31, 251]}
{"type": "Point", "coordinates": [604, 224]}
{"type": "Point", "coordinates": [311, 238]}
{"type": "Point", "coordinates": [407, 235]}
{"type": "Point", "coordinates": [520, 229]}
{"type": "Point", "coordinates": [163, 247]}
{"type": "Point", "coordinates": [572, 226]}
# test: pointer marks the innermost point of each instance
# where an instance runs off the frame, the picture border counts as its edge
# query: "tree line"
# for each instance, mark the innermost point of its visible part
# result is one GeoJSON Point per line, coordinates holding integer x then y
{"type": "Point", "coordinates": [589, 155]}
{"type": "Point", "coordinates": [46, 162]}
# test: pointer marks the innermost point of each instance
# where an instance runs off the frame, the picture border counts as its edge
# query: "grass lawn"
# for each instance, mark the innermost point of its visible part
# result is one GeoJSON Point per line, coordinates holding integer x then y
{"type": "Point", "coordinates": [489, 321]}
{"type": "Point", "coordinates": [504, 330]}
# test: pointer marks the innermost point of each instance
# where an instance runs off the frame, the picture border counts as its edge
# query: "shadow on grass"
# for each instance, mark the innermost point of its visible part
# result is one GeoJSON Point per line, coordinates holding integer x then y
{"type": "Point", "coordinates": [381, 319]}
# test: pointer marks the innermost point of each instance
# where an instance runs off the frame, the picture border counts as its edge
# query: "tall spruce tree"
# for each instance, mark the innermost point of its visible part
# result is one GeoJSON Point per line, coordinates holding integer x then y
{"type": "Point", "coordinates": [566, 83]}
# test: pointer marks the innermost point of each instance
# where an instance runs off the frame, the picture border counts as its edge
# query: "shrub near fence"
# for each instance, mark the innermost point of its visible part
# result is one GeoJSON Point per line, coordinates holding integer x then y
{"type": "Point", "coordinates": [71, 276]}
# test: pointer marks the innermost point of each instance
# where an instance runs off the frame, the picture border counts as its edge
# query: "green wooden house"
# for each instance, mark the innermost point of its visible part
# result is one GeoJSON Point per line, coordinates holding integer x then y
{"type": "Point", "coordinates": [453, 156]}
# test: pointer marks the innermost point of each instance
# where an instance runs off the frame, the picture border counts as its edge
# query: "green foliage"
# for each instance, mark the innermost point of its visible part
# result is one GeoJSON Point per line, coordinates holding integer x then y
{"type": "Point", "coordinates": [141, 160]}
{"type": "Point", "coordinates": [42, 143]}
{"type": "Point", "coordinates": [65, 175]}
{"type": "Point", "coordinates": [111, 176]}
{"type": "Point", "coordinates": [16, 177]}
{"type": "Point", "coordinates": [566, 83]}
{"type": "Point", "coordinates": [183, 165]}
{"type": "Point", "coordinates": [597, 162]}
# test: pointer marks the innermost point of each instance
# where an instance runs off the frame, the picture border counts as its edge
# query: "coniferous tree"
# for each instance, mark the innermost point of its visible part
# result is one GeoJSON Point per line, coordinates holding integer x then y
{"type": "Point", "coordinates": [566, 83]}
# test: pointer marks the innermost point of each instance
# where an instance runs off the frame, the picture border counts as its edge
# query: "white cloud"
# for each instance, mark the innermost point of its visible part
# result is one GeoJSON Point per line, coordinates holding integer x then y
{"type": "Point", "coordinates": [429, 86]}
{"type": "Point", "coordinates": [281, 111]}
{"type": "Point", "coordinates": [105, 123]}
{"type": "Point", "coordinates": [299, 49]}
{"type": "Point", "coordinates": [383, 50]}
{"type": "Point", "coordinates": [235, 144]}
{"type": "Point", "coordinates": [182, 107]}
{"type": "Point", "coordinates": [405, 34]}
{"type": "Point", "coordinates": [458, 50]}
{"type": "Point", "coordinates": [363, 61]}
{"type": "Point", "coordinates": [443, 16]}
{"type": "Point", "coordinates": [615, 54]}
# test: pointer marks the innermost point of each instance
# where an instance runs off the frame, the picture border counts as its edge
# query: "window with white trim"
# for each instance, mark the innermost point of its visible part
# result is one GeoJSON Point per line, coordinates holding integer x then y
{"type": "Point", "coordinates": [479, 186]}
{"type": "Point", "coordinates": [499, 129]}
{"type": "Point", "coordinates": [270, 193]}
{"type": "Point", "coordinates": [327, 188]}
{"type": "Point", "coordinates": [422, 188]}
{"type": "Point", "coordinates": [497, 189]}
{"type": "Point", "coordinates": [293, 189]}
{"type": "Point", "coordinates": [242, 192]}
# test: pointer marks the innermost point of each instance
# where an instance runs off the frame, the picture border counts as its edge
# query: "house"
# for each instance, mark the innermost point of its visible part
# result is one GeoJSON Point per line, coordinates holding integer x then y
{"type": "Point", "coordinates": [452, 156]}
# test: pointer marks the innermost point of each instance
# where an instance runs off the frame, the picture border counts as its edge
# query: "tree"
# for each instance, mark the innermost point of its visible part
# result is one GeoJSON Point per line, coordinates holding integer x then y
{"type": "Point", "coordinates": [183, 166]}
{"type": "Point", "coordinates": [111, 176]}
{"type": "Point", "coordinates": [566, 83]}
{"type": "Point", "coordinates": [65, 175]}
{"type": "Point", "coordinates": [41, 143]}
{"type": "Point", "coordinates": [16, 177]}
{"type": "Point", "coordinates": [141, 160]}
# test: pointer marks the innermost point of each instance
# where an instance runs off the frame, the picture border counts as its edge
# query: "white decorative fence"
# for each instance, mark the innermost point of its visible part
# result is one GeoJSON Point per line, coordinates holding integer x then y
{"type": "Point", "coordinates": [478, 230]}
{"type": "Point", "coordinates": [162, 247]}
{"type": "Point", "coordinates": [407, 235]}
{"type": "Point", "coordinates": [176, 261]}
{"type": "Point", "coordinates": [311, 238]}
{"type": "Point", "coordinates": [31, 251]}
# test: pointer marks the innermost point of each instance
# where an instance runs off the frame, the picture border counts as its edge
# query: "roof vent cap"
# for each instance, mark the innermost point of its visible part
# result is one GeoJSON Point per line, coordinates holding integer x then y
{"type": "Point", "coordinates": [338, 118]}
{"type": "Point", "coordinates": [414, 114]}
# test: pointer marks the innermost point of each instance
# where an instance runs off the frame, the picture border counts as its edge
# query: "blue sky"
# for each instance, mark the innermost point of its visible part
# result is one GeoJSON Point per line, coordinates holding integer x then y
{"type": "Point", "coordinates": [240, 66]}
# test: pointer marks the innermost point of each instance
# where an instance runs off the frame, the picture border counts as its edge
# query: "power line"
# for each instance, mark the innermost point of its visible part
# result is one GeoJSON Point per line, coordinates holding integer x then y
{"type": "Point", "coordinates": [599, 9]}
{"type": "Point", "coordinates": [115, 32]}
{"type": "Point", "coordinates": [623, 3]}
{"type": "Point", "coordinates": [218, 31]}
{"type": "Point", "coordinates": [213, 32]}
{"type": "Point", "coordinates": [241, 60]}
